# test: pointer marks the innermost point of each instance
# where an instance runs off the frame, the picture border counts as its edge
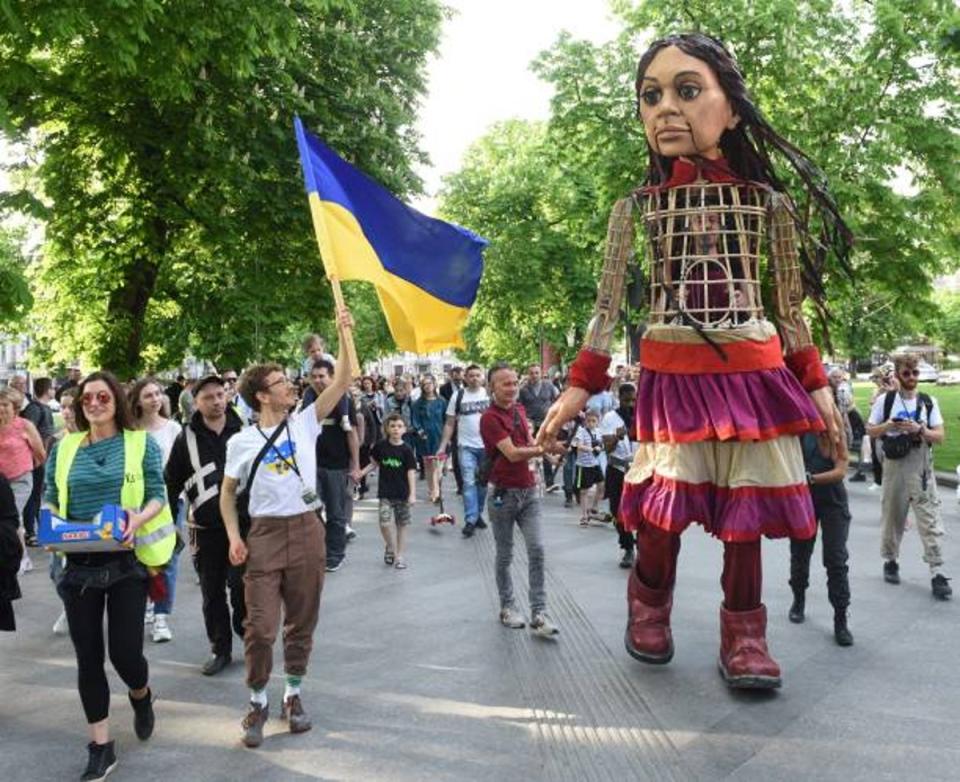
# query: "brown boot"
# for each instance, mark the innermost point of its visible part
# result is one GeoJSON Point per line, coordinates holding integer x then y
{"type": "Point", "coordinates": [744, 661]}
{"type": "Point", "coordinates": [648, 637]}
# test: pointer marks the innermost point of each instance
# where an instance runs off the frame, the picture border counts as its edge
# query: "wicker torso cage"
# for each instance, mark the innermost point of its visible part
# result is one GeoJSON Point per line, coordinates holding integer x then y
{"type": "Point", "coordinates": [704, 247]}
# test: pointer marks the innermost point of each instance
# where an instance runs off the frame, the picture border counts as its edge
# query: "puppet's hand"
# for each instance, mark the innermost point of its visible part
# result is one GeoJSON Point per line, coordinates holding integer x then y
{"type": "Point", "coordinates": [568, 404]}
{"type": "Point", "coordinates": [823, 400]}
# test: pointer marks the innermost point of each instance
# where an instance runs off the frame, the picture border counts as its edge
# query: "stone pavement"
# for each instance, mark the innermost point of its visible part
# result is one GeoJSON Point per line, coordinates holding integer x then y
{"type": "Point", "coordinates": [412, 677]}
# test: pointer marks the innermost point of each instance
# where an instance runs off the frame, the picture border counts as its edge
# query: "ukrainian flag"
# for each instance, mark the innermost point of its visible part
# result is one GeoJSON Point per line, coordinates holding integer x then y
{"type": "Point", "coordinates": [426, 271]}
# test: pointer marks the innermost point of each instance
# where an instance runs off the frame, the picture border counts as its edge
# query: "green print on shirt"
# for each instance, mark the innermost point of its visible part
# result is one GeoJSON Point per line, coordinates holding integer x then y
{"type": "Point", "coordinates": [392, 461]}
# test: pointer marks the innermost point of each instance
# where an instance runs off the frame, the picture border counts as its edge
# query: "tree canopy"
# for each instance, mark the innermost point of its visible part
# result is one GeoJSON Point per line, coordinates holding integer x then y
{"type": "Point", "coordinates": [869, 90]}
{"type": "Point", "coordinates": [168, 179]}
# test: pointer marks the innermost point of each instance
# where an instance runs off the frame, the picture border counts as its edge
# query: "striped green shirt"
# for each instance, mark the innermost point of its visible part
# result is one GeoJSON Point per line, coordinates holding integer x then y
{"type": "Point", "coordinates": [96, 477]}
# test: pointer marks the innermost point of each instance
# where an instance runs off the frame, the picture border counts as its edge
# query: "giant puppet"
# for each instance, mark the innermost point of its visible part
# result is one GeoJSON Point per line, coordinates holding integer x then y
{"type": "Point", "coordinates": [724, 393]}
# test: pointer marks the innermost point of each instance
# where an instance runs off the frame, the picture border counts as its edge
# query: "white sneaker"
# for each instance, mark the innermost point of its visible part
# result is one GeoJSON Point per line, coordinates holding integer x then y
{"type": "Point", "coordinates": [148, 614]}
{"type": "Point", "coordinates": [510, 617]}
{"type": "Point", "coordinates": [25, 565]}
{"type": "Point", "coordinates": [542, 625]}
{"type": "Point", "coordinates": [60, 627]}
{"type": "Point", "coordinates": [351, 533]}
{"type": "Point", "coordinates": [161, 630]}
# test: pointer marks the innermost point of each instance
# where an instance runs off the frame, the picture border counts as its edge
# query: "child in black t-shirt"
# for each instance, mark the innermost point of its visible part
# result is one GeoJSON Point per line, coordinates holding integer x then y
{"type": "Point", "coordinates": [396, 487]}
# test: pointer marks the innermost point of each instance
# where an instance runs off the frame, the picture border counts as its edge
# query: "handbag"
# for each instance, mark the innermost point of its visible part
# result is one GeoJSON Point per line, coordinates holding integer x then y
{"type": "Point", "coordinates": [896, 447]}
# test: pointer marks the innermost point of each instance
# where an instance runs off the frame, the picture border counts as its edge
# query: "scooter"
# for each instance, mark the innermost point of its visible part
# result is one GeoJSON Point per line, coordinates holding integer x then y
{"type": "Point", "coordinates": [442, 517]}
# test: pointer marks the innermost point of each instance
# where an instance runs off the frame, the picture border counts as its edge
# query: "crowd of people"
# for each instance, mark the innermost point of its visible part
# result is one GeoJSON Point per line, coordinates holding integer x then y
{"type": "Point", "coordinates": [258, 473]}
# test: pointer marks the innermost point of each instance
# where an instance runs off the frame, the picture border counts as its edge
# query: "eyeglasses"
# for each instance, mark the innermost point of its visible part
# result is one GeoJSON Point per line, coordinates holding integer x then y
{"type": "Point", "coordinates": [276, 383]}
{"type": "Point", "coordinates": [910, 372]}
{"type": "Point", "coordinates": [102, 398]}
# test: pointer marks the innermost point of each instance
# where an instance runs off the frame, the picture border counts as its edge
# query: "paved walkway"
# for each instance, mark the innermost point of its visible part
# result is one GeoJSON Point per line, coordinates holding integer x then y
{"type": "Point", "coordinates": [412, 678]}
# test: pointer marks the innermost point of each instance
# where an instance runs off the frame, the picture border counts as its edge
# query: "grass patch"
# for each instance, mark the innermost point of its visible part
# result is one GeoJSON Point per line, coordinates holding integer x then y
{"type": "Point", "coordinates": [947, 456]}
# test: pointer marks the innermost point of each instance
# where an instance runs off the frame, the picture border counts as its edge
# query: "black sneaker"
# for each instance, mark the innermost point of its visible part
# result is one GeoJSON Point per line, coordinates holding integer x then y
{"type": "Point", "coordinates": [891, 572]}
{"type": "Point", "coordinates": [333, 567]}
{"type": "Point", "coordinates": [31, 541]}
{"type": "Point", "coordinates": [215, 663]}
{"type": "Point", "coordinates": [796, 613]}
{"type": "Point", "coordinates": [102, 759]}
{"type": "Point", "coordinates": [481, 524]}
{"type": "Point", "coordinates": [841, 632]}
{"type": "Point", "coordinates": [858, 477]}
{"type": "Point", "coordinates": [941, 587]}
{"type": "Point", "coordinates": [627, 560]}
{"type": "Point", "coordinates": [467, 531]}
{"type": "Point", "coordinates": [142, 715]}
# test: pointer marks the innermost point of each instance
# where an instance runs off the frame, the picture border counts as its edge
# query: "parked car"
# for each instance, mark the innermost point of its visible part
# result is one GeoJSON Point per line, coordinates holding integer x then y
{"type": "Point", "coordinates": [928, 372]}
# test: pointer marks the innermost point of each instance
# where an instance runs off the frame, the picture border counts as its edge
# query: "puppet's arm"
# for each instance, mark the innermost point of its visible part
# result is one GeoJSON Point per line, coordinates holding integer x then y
{"type": "Point", "coordinates": [802, 356]}
{"type": "Point", "coordinates": [589, 371]}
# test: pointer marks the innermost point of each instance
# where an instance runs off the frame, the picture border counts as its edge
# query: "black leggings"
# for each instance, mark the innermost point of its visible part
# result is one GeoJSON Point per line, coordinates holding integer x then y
{"type": "Point", "coordinates": [125, 602]}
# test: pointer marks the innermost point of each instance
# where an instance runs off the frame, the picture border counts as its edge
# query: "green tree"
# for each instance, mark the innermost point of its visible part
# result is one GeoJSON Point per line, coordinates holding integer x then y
{"type": "Point", "coordinates": [537, 280]}
{"type": "Point", "coordinates": [15, 297]}
{"type": "Point", "coordinates": [175, 213]}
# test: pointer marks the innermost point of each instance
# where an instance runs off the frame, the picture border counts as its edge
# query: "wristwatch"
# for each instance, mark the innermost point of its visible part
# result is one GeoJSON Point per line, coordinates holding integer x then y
{"type": "Point", "coordinates": [809, 479]}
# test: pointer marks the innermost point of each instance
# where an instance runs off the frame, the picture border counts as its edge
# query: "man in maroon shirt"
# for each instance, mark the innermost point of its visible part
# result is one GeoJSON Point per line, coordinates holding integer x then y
{"type": "Point", "coordinates": [514, 498]}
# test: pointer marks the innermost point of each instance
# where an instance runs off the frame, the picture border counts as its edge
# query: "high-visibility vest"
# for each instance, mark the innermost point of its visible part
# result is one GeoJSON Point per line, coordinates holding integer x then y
{"type": "Point", "coordinates": [153, 541]}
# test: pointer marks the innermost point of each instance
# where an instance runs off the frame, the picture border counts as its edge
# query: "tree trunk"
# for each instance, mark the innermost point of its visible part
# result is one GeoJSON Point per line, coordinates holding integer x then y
{"type": "Point", "coordinates": [127, 307]}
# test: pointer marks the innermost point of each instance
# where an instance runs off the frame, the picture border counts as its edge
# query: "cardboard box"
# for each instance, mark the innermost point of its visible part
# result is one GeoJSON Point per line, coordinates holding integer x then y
{"type": "Point", "coordinates": [104, 533]}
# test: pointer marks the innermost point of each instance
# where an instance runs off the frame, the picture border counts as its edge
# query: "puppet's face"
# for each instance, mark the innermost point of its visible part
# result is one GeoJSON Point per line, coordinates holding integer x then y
{"type": "Point", "coordinates": [683, 107]}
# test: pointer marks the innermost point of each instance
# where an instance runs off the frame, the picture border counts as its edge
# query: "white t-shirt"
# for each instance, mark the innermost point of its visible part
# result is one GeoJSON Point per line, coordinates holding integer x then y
{"type": "Point", "coordinates": [165, 437]}
{"type": "Point", "coordinates": [468, 422]}
{"type": "Point", "coordinates": [277, 490]}
{"type": "Point", "coordinates": [611, 422]}
{"type": "Point", "coordinates": [910, 405]}
{"type": "Point", "coordinates": [592, 439]}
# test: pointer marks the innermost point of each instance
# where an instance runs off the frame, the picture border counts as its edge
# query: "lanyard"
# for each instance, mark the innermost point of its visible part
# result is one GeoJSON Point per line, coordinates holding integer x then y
{"type": "Point", "coordinates": [292, 465]}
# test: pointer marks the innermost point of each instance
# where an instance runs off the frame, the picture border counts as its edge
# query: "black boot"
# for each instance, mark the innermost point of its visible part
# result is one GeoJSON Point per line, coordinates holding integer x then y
{"type": "Point", "coordinates": [142, 715]}
{"type": "Point", "coordinates": [101, 760]}
{"type": "Point", "coordinates": [799, 603]}
{"type": "Point", "coordinates": [841, 632]}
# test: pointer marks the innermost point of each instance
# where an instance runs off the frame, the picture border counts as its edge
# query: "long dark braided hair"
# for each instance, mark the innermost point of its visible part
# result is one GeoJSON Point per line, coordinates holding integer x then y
{"type": "Point", "coordinates": [746, 148]}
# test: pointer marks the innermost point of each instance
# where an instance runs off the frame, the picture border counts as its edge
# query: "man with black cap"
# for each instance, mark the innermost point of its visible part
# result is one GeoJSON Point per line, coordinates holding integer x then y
{"type": "Point", "coordinates": [196, 464]}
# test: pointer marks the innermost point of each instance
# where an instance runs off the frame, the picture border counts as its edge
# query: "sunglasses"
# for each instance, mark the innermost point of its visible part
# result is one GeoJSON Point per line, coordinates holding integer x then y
{"type": "Point", "coordinates": [229, 381]}
{"type": "Point", "coordinates": [102, 398]}
{"type": "Point", "coordinates": [910, 373]}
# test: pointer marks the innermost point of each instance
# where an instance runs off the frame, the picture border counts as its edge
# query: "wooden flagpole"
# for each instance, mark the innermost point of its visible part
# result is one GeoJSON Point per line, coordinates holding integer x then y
{"type": "Point", "coordinates": [320, 229]}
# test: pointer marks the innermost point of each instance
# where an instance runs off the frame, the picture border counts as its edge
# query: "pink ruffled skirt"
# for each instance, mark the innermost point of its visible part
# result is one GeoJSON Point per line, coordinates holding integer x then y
{"type": "Point", "coordinates": [719, 441]}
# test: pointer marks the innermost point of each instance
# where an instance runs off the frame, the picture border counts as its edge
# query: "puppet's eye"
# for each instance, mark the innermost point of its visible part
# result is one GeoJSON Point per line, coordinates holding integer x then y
{"type": "Point", "coordinates": [651, 97]}
{"type": "Point", "coordinates": [688, 91]}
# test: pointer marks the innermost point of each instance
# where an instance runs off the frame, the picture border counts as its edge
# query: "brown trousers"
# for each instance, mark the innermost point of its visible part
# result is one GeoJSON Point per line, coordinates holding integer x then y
{"type": "Point", "coordinates": [285, 566]}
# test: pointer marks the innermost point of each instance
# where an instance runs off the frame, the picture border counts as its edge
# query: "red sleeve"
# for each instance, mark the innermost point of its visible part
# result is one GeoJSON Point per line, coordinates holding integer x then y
{"type": "Point", "coordinates": [589, 371]}
{"type": "Point", "coordinates": [492, 431]}
{"type": "Point", "coordinates": [808, 368]}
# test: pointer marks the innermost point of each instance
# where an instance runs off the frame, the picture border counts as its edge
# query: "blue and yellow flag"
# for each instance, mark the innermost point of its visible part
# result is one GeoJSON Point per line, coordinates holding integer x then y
{"type": "Point", "coordinates": [426, 271]}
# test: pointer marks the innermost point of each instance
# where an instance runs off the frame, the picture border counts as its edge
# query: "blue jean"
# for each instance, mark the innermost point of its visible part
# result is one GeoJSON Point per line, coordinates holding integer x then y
{"type": "Point", "coordinates": [173, 566]}
{"type": "Point", "coordinates": [520, 507]}
{"type": "Point", "coordinates": [473, 495]}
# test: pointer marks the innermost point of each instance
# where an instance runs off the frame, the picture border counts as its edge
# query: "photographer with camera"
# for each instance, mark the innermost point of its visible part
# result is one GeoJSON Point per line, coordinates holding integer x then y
{"type": "Point", "coordinates": [907, 424]}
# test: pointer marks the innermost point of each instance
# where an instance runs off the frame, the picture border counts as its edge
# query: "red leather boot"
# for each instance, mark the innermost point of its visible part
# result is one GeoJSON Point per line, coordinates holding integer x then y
{"type": "Point", "coordinates": [745, 662]}
{"type": "Point", "coordinates": [648, 637]}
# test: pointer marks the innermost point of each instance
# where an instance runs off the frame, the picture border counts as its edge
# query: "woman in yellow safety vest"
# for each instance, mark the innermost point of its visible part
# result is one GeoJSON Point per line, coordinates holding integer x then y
{"type": "Point", "coordinates": [105, 462]}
